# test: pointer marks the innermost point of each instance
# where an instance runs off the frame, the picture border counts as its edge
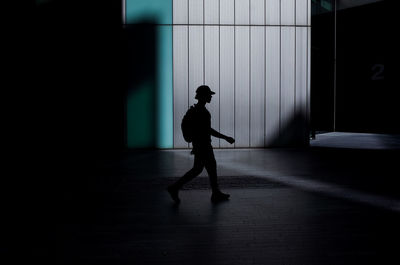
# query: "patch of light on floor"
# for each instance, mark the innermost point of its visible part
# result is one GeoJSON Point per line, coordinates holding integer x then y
{"type": "Point", "coordinates": [321, 187]}
{"type": "Point", "coordinates": [356, 140]}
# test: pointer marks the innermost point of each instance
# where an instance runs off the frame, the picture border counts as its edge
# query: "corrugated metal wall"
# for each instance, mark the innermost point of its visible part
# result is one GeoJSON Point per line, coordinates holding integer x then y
{"type": "Point", "coordinates": [255, 54]}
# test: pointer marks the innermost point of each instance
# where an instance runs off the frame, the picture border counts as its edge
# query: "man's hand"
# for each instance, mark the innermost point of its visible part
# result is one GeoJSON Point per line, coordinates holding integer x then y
{"type": "Point", "coordinates": [230, 140]}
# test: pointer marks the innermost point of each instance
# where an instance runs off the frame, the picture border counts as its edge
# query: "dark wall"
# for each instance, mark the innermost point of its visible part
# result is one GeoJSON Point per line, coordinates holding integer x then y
{"type": "Point", "coordinates": [78, 70]}
{"type": "Point", "coordinates": [65, 113]}
{"type": "Point", "coordinates": [322, 71]}
{"type": "Point", "coordinates": [364, 101]}
{"type": "Point", "coordinates": [77, 113]}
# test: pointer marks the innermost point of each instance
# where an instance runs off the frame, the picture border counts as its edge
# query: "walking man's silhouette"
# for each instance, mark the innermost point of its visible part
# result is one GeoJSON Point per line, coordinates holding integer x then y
{"type": "Point", "coordinates": [202, 149]}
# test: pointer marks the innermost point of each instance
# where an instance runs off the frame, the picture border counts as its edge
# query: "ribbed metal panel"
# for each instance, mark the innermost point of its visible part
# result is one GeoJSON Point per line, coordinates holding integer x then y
{"type": "Point", "coordinates": [196, 60]}
{"type": "Point", "coordinates": [301, 83]}
{"type": "Point", "coordinates": [272, 84]}
{"type": "Point", "coordinates": [272, 12]}
{"type": "Point", "coordinates": [308, 74]}
{"type": "Point", "coordinates": [211, 66]}
{"type": "Point", "coordinates": [242, 86]}
{"type": "Point", "coordinates": [259, 70]}
{"type": "Point", "coordinates": [196, 12]}
{"type": "Point", "coordinates": [242, 12]}
{"type": "Point", "coordinates": [287, 12]}
{"type": "Point", "coordinates": [227, 85]}
{"type": "Point", "coordinates": [257, 11]}
{"type": "Point", "coordinates": [287, 76]}
{"type": "Point", "coordinates": [227, 12]}
{"type": "Point", "coordinates": [180, 12]}
{"type": "Point", "coordinates": [301, 12]}
{"type": "Point", "coordinates": [211, 11]}
{"type": "Point", "coordinates": [180, 79]}
{"type": "Point", "coordinates": [301, 70]}
{"type": "Point", "coordinates": [257, 86]}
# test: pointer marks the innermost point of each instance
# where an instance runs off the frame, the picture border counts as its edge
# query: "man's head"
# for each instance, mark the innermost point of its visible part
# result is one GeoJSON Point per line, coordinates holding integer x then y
{"type": "Point", "coordinates": [204, 93]}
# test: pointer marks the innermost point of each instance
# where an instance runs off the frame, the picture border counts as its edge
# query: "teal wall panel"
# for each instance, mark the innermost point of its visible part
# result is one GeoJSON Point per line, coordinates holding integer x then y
{"type": "Point", "coordinates": [164, 137]}
{"type": "Point", "coordinates": [155, 11]}
{"type": "Point", "coordinates": [140, 116]}
{"type": "Point", "coordinates": [149, 102]}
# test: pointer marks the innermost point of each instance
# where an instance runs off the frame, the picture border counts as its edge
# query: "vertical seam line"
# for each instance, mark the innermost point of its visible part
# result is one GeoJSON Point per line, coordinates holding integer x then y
{"type": "Point", "coordinates": [219, 70]}
{"type": "Point", "coordinates": [295, 54]}
{"type": "Point", "coordinates": [265, 71]}
{"type": "Point", "coordinates": [204, 46]}
{"type": "Point", "coordinates": [280, 64]}
{"type": "Point", "coordinates": [250, 73]}
{"type": "Point", "coordinates": [173, 84]}
{"type": "Point", "coordinates": [234, 70]}
{"type": "Point", "coordinates": [188, 60]}
{"type": "Point", "coordinates": [307, 82]}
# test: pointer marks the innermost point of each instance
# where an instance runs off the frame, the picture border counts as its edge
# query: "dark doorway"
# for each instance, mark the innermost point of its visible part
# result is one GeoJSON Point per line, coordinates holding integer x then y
{"type": "Point", "coordinates": [348, 91]}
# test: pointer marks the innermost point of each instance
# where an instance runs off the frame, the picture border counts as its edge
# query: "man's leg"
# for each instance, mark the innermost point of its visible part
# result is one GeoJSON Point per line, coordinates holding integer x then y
{"type": "Point", "coordinates": [211, 167]}
{"type": "Point", "coordinates": [198, 166]}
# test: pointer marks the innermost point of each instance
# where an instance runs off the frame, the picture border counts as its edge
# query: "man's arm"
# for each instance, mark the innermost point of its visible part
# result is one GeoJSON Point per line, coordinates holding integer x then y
{"type": "Point", "coordinates": [220, 135]}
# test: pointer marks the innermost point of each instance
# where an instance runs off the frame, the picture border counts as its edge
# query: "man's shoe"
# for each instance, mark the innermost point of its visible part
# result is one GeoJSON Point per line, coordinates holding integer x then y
{"type": "Point", "coordinates": [174, 194]}
{"type": "Point", "coordinates": [219, 196]}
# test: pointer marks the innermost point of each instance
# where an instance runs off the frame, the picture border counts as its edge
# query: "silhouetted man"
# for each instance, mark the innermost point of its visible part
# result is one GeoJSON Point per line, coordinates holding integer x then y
{"type": "Point", "coordinates": [202, 149]}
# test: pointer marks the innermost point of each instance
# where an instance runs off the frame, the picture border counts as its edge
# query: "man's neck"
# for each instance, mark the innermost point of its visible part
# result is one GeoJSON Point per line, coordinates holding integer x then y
{"type": "Point", "coordinates": [201, 103]}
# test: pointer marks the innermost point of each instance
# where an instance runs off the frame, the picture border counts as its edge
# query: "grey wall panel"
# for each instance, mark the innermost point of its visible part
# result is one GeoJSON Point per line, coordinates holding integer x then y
{"type": "Point", "coordinates": [301, 83]}
{"type": "Point", "coordinates": [272, 88]}
{"type": "Point", "coordinates": [196, 74]}
{"type": "Point", "coordinates": [180, 79]}
{"type": "Point", "coordinates": [242, 82]}
{"type": "Point", "coordinates": [211, 37]}
{"type": "Point", "coordinates": [308, 75]}
{"type": "Point", "coordinates": [257, 10]}
{"type": "Point", "coordinates": [211, 11]}
{"type": "Point", "coordinates": [196, 12]}
{"type": "Point", "coordinates": [301, 12]}
{"type": "Point", "coordinates": [196, 61]}
{"type": "Point", "coordinates": [287, 12]}
{"type": "Point", "coordinates": [261, 74]}
{"type": "Point", "coordinates": [227, 75]}
{"type": "Point", "coordinates": [287, 76]}
{"type": "Point", "coordinates": [272, 12]}
{"type": "Point", "coordinates": [227, 11]}
{"type": "Point", "coordinates": [301, 70]}
{"type": "Point", "coordinates": [257, 86]}
{"type": "Point", "coordinates": [242, 12]}
{"type": "Point", "coordinates": [180, 12]}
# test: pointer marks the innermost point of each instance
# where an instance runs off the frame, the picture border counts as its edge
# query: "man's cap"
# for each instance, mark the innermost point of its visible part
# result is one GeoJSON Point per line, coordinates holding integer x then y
{"type": "Point", "coordinates": [204, 90]}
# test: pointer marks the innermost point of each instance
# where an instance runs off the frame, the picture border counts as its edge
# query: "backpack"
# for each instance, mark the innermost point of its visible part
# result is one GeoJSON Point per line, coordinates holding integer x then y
{"type": "Point", "coordinates": [187, 125]}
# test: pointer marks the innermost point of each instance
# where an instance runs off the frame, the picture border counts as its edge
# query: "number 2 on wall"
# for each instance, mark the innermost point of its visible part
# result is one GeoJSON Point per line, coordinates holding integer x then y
{"type": "Point", "coordinates": [377, 72]}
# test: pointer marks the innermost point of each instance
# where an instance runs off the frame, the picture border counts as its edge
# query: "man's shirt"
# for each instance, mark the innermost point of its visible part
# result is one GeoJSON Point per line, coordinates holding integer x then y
{"type": "Point", "coordinates": [202, 126]}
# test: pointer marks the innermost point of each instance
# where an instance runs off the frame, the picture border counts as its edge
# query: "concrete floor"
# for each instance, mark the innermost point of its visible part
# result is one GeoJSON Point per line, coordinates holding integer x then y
{"type": "Point", "coordinates": [320, 205]}
{"type": "Point", "coordinates": [357, 141]}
